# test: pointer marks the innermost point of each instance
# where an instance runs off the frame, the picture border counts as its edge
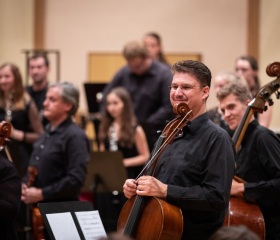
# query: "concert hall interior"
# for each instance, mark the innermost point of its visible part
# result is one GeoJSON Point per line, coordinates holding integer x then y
{"type": "Point", "coordinates": [87, 44]}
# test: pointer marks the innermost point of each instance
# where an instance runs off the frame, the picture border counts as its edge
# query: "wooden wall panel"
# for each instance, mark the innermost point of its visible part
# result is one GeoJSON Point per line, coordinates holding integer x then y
{"type": "Point", "coordinates": [103, 66]}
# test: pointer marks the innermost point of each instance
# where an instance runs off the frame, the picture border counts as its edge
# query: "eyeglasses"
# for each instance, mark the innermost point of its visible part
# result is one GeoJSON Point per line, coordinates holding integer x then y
{"type": "Point", "coordinates": [183, 88]}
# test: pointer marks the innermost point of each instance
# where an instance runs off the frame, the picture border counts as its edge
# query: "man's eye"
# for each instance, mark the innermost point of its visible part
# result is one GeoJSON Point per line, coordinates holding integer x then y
{"type": "Point", "coordinates": [185, 87]}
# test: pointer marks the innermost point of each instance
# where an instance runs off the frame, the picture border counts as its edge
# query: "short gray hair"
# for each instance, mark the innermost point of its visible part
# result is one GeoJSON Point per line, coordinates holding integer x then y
{"type": "Point", "coordinates": [69, 94]}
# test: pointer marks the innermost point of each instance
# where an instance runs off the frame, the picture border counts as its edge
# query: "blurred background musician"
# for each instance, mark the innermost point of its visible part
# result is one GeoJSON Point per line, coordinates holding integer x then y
{"type": "Point", "coordinates": [38, 68]}
{"type": "Point", "coordinates": [119, 131]}
{"type": "Point", "coordinates": [247, 67]}
{"type": "Point", "coordinates": [153, 44]}
{"type": "Point", "coordinates": [18, 108]}
{"type": "Point", "coordinates": [147, 82]}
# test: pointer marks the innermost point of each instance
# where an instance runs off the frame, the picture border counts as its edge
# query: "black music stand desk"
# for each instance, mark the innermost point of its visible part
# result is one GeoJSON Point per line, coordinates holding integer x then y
{"type": "Point", "coordinates": [71, 220]}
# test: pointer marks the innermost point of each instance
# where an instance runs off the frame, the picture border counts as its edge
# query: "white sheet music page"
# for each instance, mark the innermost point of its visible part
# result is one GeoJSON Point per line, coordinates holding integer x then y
{"type": "Point", "coordinates": [91, 224]}
{"type": "Point", "coordinates": [63, 226]}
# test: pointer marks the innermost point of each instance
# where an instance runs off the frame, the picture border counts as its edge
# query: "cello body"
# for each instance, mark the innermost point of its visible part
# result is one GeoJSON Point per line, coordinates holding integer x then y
{"type": "Point", "coordinates": [245, 213]}
{"type": "Point", "coordinates": [159, 220]}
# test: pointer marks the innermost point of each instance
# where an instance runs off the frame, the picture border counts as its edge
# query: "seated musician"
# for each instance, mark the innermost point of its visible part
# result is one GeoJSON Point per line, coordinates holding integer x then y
{"type": "Point", "coordinates": [195, 171]}
{"type": "Point", "coordinates": [258, 160]}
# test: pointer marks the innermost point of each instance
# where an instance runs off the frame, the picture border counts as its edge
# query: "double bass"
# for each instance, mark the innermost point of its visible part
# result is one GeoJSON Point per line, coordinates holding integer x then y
{"type": "Point", "coordinates": [240, 211]}
{"type": "Point", "coordinates": [137, 218]}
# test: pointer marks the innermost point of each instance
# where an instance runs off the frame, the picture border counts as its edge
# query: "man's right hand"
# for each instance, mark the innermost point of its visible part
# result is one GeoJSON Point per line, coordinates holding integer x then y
{"type": "Point", "coordinates": [129, 188]}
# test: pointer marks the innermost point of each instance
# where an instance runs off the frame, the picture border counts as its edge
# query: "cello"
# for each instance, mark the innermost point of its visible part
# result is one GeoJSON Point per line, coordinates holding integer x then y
{"type": "Point", "coordinates": [240, 211]}
{"type": "Point", "coordinates": [139, 213]}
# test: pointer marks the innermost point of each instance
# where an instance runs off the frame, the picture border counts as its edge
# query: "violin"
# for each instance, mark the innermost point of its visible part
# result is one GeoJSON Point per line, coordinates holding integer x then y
{"type": "Point", "coordinates": [137, 218]}
{"type": "Point", "coordinates": [36, 218]}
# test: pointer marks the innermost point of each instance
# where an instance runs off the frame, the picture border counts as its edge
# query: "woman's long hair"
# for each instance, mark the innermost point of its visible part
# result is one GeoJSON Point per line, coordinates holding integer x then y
{"type": "Point", "coordinates": [254, 65]}
{"type": "Point", "coordinates": [18, 89]}
{"type": "Point", "coordinates": [128, 120]}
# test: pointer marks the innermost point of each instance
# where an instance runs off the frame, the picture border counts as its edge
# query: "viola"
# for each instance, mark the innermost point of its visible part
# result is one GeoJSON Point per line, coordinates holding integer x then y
{"type": "Point", "coordinates": [240, 211]}
{"type": "Point", "coordinates": [152, 217]}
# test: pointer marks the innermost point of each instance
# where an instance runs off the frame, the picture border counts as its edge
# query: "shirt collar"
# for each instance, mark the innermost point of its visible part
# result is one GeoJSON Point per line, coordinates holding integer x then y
{"type": "Point", "coordinates": [60, 128]}
{"type": "Point", "coordinates": [196, 124]}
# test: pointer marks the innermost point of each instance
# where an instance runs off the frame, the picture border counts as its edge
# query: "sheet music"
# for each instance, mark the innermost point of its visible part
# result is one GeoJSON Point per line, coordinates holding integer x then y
{"type": "Point", "coordinates": [91, 224]}
{"type": "Point", "coordinates": [63, 226]}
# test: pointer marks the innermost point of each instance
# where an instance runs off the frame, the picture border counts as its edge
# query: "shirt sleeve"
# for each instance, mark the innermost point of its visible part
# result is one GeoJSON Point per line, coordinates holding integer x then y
{"type": "Point", "coordinates": [268, 147]}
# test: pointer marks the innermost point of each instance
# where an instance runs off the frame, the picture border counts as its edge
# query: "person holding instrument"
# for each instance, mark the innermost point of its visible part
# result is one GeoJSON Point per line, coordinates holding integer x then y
{"type": "Point", "coordinates": [258, 160]}
{"type": "Point", "coordinates": [195, 171]}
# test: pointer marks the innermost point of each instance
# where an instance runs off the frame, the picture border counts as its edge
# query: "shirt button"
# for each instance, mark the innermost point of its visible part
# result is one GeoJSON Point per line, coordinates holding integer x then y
{"type": "Point", "coordinates": [42, 146]}
{"type": "Point", "coordinates": [37, 158]}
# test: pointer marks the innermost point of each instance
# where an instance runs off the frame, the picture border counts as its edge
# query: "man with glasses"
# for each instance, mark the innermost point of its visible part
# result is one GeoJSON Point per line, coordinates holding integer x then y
{"type": "Point", "coordinates": [147, 82]}
{"type": "Point", "coordinates": [195, 171]}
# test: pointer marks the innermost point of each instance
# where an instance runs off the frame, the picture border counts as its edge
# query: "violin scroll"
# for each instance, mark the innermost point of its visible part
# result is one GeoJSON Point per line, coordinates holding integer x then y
{"type": "Point", "coordinates": [273, 69]}
{"type": "Point", "coordinates": [5, 132]}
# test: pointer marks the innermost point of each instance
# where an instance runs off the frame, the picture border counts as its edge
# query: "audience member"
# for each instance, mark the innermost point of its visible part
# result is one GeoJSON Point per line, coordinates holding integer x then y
{"type": "Point", "coordinates": [240, 232]}
{"type": "Point", "coordinates": [247, 67]}
{"type": "Point", "coordinates": [18, 108]}
{"type": "Point", "coordinates": [10, 190]}
{"type": "Point", "coordinates": [62, 153]}
{"type": "Point", "coordinates": [147, 81]}
{"type": "Point", "coordinates": [119, 131]}
{"type": "Point", "coordinates": [258, 159]}
{"type": "Point", "coordinates": [153, 44]}
{"type": "Point", "coordinates": [186, 173]}
{"type": "Point", "coordinates": [38, 67]}
{"type": "Point", "coordinates": [215, 113]}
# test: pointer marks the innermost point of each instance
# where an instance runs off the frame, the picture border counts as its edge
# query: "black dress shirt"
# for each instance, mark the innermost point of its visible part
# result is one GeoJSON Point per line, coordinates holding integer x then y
{"type": "Point", "coordinates": [258, 163]}
{"type": "Point", "coordinates": [61, 157]}
{"type": "Point", "coordinates": [149, 92]}
{"type": "Point", "coordinates": [198, 168]}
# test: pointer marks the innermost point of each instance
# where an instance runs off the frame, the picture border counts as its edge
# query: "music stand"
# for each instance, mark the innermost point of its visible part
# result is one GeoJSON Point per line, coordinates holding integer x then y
{"type": "Point", "coordinates": [106, 172]}
{"type": "Point", "coordinates": [105, 179]}
{"type": "Point", "coordinates": [94, 95]}
{"type": "Point", "coordinates": [63, 207]}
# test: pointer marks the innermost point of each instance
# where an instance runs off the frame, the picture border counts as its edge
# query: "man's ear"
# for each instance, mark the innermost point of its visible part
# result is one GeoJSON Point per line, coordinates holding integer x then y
{"type": "Point", "coordinates": [206, 91]}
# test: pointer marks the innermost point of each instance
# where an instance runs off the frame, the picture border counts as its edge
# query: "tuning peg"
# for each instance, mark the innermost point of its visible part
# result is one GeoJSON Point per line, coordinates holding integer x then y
{"type": "Point", "coordinates": [265, 108]}
{"type": "Point", "coordinates": [266, 94]}
{"type": "Point", "coordinates": [270, 102]}
{"type": "Point", "coordinates": [277, 93]}
{"type": "Point", "coordinates": [276, 86]}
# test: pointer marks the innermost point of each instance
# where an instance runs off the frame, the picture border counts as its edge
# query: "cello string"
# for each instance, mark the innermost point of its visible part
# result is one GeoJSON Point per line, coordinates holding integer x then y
{"type": "Point", "coordinates": [165, 143]}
